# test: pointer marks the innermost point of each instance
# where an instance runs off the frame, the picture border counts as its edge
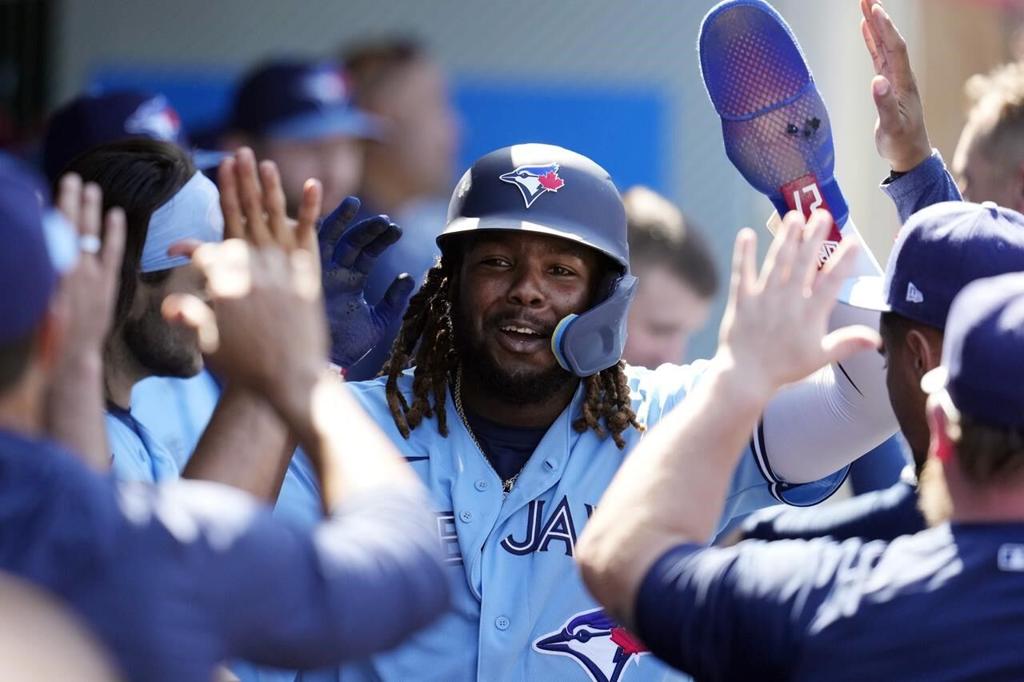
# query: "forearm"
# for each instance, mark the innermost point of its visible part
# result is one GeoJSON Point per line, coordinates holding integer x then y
{"type": "Point", "coordinates": [74, 409]}
{"type": "Point", "coordinates": [671, 488]}
{"type": "Point", "coordinates": [371, 575]}
{"type": "Point", "coordinates": [817, 426]}
{"type": "Point", "coordinates": [245, 445]}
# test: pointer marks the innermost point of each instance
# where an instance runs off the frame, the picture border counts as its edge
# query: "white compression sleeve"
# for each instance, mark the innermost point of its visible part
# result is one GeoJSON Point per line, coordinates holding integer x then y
{"type": "Point", "coordinates": [819, 425]}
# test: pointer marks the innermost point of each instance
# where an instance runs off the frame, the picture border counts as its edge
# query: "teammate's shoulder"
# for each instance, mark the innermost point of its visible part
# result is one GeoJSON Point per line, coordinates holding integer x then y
{"type": "Point", "coordinates": [374, 390]}
{"type": "Point", "coordinates": [666, 378]}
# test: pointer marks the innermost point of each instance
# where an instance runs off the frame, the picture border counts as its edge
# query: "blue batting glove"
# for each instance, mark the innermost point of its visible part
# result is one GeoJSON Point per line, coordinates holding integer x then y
{"type": "Point", "coordinates": [347, 254]}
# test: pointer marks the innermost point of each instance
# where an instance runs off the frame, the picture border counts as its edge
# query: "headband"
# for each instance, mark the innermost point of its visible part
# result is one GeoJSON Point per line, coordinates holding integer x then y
{"type": "Point", "coordinates": [192, 213]}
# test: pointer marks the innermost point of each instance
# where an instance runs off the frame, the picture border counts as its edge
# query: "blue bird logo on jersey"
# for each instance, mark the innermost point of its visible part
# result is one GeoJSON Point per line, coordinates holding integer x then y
{"type": "Point", "coordinates": [533, 181]}
{"type": "Point", "coordinates": [596, 642]}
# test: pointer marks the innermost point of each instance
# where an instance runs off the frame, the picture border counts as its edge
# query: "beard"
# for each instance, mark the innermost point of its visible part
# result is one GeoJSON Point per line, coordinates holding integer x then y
{"type": "Point", "coordinates": [162, 349]}
{"type": "Point", "coordinates": [510, 387]}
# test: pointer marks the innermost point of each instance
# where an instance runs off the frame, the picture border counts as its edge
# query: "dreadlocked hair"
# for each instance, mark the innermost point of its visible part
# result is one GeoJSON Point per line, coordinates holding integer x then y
{"type": "Point", "coordinates": [426, 341]}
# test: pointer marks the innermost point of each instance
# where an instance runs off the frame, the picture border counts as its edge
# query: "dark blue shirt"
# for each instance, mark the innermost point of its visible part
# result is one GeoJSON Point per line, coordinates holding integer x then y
{"type": "Point", "coordinates": [944, 604]}
{"type": "Point", "coordinates": [178, 577]}
{"type": "Point", "coordinates": [879, 515]}
{"type": "Point", "coordinates": [507, 448]}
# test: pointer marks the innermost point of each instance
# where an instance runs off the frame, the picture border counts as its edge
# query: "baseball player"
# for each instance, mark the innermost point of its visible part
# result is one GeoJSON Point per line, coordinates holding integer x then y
{"type": "Point", "coordinates": [941, 604]}
{"type": "Point", "coordinates": [517, 412]}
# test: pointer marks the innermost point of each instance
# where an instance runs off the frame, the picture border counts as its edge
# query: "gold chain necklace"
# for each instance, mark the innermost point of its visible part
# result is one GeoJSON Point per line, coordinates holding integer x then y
{"type": "Point", "coordinates": [508, 483]}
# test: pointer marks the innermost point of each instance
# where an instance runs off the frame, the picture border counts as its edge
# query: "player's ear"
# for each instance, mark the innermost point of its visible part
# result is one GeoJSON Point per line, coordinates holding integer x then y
{"type": "Point", "coordinates": [923, 354]}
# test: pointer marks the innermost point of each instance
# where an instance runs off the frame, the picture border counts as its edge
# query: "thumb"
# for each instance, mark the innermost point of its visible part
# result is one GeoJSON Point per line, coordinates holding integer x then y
{"type": "Point", "coordinates": [393, 303]}
{"type": "Point", "coordinates": [886, 103]}
{"type": "Point", "coordinates": [189, 312]}
{"type": "Point", "coordinates": [847, 341]}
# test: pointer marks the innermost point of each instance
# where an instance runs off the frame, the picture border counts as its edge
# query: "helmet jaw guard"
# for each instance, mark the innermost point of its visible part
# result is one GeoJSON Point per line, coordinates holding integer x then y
{"type": "Point", "coordinates": [593, 341]}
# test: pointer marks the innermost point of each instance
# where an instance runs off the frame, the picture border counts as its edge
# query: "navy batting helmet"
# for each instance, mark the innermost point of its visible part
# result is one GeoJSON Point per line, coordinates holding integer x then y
{"type": "Point", "coordinates": [550, 190]}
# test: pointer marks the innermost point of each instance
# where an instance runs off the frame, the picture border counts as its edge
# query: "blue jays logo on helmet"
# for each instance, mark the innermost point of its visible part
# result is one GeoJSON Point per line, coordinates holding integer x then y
{"type": "Point", "coordinates": [596, 642]}
{"type": "Point", "coordinates": [533, 181]}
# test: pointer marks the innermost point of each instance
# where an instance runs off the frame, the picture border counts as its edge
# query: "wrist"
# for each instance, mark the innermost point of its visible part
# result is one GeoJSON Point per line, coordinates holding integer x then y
{"type": "Point", "coordinates": [82, 362]}
{"type": "Point", "coordinates": [293, 399]}
{"type": "Point", "coordinates": [909, 162]}
{"type": "Point", "coordinates": [744, 386]}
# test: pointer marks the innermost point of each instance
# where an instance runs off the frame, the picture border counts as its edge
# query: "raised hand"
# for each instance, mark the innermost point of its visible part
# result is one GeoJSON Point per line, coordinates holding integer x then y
{"type": "Point", "coordinates": [347, 254]}
{"type": "Point", "coordinates": [775, 327]}
{"type": "Point", "coordinates": [262, 321]}
{"type": "Point", "coordinates": [900, 134]}
{"type": "Point", "coordinates": [87, 299]}
{"type": "Point", "coordinates": [253, 203]}
{"type": "Point", "coordinates": [90, 288]}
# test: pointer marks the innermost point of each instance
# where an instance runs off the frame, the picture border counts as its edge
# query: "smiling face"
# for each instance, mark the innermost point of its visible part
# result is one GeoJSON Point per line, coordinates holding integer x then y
{"type": "Point", "coordinates": [513, 289]}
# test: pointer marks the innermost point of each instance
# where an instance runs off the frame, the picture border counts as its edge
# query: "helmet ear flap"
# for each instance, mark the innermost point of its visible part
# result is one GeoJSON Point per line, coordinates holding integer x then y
{"type": "Point", "coordinates": [593, 341]}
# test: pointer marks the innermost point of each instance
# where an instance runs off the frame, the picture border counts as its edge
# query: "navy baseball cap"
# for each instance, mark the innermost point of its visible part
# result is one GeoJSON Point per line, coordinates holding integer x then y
{"type": "Point", "coordinates": [299, 101]}
{"type": "Point", "coordinates": [984, 342]}
{"type": "Point", "coordinates": [92, 119]}
{"type": "Point", "coordinates": [940, 250]}
{"type": "Point", "coordinates": [39, 245]}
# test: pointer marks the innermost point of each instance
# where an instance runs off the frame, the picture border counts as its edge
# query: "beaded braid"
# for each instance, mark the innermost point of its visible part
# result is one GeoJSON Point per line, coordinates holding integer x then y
{"type": "Point", "coordinates": [426, 340]}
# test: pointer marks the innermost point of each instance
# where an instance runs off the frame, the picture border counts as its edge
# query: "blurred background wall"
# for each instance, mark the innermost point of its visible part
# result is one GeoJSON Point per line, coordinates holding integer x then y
{"type": "Point", "coordinates": [614, 79]}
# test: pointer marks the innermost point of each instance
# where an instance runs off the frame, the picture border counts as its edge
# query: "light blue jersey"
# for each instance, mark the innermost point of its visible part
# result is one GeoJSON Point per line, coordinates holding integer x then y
{"type": "Point", "coordinates": [176, 411]}
{"type": "Point", "coordinates": [520, 610]}
{"type": "Point", "coordinates": [136, 454]}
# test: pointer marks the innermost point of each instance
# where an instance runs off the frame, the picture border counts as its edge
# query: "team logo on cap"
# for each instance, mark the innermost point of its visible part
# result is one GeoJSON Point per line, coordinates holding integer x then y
{"type": "Point", "coordinates": [596, 642]}
{"type": "Point", "coordinates": [533, 181]}
{"type": "Point", "coordinates": [156, 119]}
{"type": "Point", "coordinates": [325, 86]}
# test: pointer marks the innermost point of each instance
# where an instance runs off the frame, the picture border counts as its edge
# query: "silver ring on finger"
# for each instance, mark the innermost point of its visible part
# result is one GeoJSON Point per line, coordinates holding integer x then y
{"type": "Point", "coordinates": [89, 243]}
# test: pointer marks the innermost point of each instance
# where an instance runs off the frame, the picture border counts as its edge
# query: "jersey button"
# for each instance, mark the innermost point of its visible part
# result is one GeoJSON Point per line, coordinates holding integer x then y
{"type": "Point", "coordinates": [466, 516]}
{"type": "Point", "coordinates": [502, 623]}
{"type": "Point", "coordinates": [481, 485]}
{"type": "Point", "coordinates": [550, 464]}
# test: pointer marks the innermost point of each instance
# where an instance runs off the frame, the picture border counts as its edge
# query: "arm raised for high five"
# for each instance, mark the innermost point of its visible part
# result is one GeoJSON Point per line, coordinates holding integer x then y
{"type": "Point", "coordinates": [74, 404]}
{"type": "Point", "coordinates": [671, 489]}
{"type": "Point", "coordinates": [246, 445]}
{"type": "Point", "coordinates": [347, 254]}
{"type": "Point", "coordinates": [919, 176]}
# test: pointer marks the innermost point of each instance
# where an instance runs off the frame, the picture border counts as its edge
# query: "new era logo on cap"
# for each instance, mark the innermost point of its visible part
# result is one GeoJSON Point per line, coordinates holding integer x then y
{"type": "Point", "coordinates": [913, 294]}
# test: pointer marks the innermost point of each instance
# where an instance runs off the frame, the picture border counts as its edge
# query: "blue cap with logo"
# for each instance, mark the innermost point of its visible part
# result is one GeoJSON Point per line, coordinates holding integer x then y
{"type": "Point", "coordinates": [299, 101]}
{"type": "Point", "coordinates": [93, 119]}
{"type": "Point", "coordinates": [38, 246]}
{"type": "Point", "coordinates": [939, 251]}
{"type": "Point", "coordinates": [984, 342]}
